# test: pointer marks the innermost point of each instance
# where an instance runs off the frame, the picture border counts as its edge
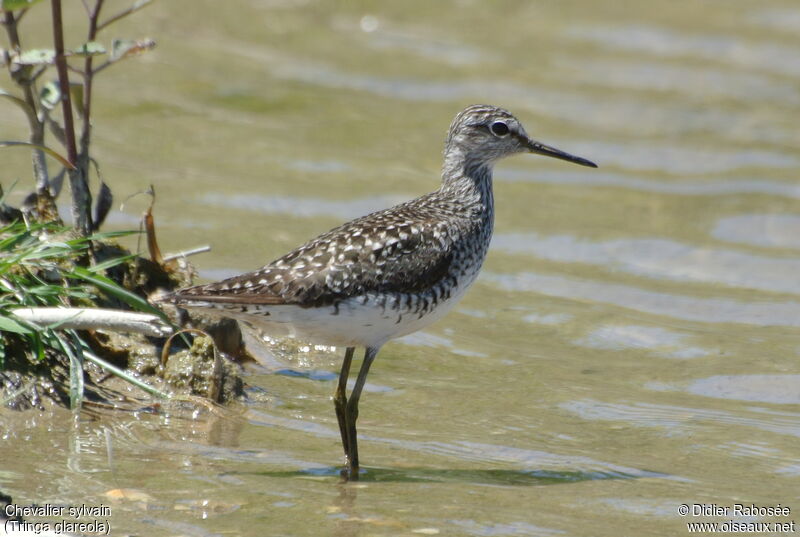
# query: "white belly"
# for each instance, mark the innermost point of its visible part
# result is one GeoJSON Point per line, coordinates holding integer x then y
{"type": "Point", "coordinates": [354, 322]}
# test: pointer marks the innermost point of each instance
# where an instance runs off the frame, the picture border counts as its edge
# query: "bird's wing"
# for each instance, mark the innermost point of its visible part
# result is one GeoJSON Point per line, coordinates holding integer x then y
{"type": "Point", "coordinates": [401, 250]}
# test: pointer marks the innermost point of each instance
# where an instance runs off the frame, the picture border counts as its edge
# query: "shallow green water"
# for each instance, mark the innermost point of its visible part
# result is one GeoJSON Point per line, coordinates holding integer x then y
{"type": "Point", "coordinates": [631, 346]}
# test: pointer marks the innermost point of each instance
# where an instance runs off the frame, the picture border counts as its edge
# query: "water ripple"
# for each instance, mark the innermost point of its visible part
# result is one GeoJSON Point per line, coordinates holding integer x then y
{"type": "Point", "coordinates": [563, 106]}
{"type": "Point", "coordinates": [426, 43]}
{"type": "Point", "coordinates": [666, 43]}
{"type": "Point", "coordinates": [776, 389]}
{"type": "Point", "coordinates": [700, 83]}
{"type": "Point", "coordinates": [426, 339]}
{"type": "Point", "coordinates": [662, 259]}
{"type": "Point", "coordinates": [689, 308]}
{"type": "Point", "coordinates": [683, 187]}
{"type": "Point", "coordinates": [772, 230]}
{"type": "Point", "coordinates": [545, 464]}
{"type": "Point", "coordinates": [681, 160]}
{"type": "Point", "coordinates": [679, 419]}
{"type": "Point", "coordinates": [303, 207]}
{"type": "Point", "coordinates": [787, 20]}
{"type": "Point", "coordinates": [667, 343]}
{"type": "Point", "coordinates": [530, 458]}
{"type": "Point", "coordinates": [472, 527]}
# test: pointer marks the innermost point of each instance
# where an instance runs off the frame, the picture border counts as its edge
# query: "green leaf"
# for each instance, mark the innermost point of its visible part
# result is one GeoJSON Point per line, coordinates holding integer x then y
{"type": "Point", "coordinates": [76, 97]}
{"type": "Point", "coordinates": [64, 162]}
{"type": "Point", "coordinates": [37, 345]}
{"type": "Point", "coordinates": [123, 374]}
{"type": "Point", "coordinates": [107, 264]}
{"type": "Point", "coordinates": [112, 288]}
{"type": "Point", "coordinates": [76, 386]}
{"type": "Point", "coordinates": [92, 48]}
{"type": "Point", "coordinates": [8, 324]}
{"type": "Point", "coordinates": [40, 56]}
{"type": "Point", "coordinates": [16, 100]}
{"type": "Point", "coordinates": [102, 235]}
{"type": "Point", "coordinates": [54, 291]}
{"type": "Point", "coordinates": [50, 94]}
{"type": "Point", "coordinates": [10, 5]}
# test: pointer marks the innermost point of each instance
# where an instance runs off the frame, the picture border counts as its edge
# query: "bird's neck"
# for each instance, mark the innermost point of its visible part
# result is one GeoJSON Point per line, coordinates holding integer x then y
{"type": "Point", "coordinates": [468, 179]}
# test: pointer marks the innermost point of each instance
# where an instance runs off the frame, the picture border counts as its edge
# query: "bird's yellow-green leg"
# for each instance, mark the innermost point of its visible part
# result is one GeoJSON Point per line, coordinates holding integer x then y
{"type": "Point", "coordinates": [340, 401]}
{"type": "Point", "coordinates": [351, 412]}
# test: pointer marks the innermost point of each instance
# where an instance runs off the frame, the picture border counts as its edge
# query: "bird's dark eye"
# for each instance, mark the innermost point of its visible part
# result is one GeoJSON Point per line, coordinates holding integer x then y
{"type": "Point", "coordinates": [499, 128]}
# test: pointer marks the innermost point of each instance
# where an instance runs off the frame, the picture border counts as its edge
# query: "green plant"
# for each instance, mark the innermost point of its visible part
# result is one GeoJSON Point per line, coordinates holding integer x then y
{"type": "Point", "coordinates": [40, 266]}
{"type": "Point", "coordinates": [38, 101]}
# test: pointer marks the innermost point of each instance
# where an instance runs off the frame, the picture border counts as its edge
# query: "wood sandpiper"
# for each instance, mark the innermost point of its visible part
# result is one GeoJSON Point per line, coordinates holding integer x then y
{"type": "Point", "coordinates": [386, 274]}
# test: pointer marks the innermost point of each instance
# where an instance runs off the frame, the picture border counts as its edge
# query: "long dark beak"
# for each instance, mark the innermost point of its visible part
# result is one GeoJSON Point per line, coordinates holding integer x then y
{"type": "Point", "coordinates": [548, 151]}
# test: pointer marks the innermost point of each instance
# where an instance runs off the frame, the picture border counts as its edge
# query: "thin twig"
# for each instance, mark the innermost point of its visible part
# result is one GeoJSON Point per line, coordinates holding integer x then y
{"type": "Point", "coordinates": [22, 14]}
{"type": "Point", "coordinates": [187, 253]}
{"type": "Point", "coordinates": [76, 70]}
{"type": "Point", "coordinates": [103, 65]}
{"type": "Point", "coordinates": [124, 13]}
{"type": "Point", "coordinates": [39, 72]}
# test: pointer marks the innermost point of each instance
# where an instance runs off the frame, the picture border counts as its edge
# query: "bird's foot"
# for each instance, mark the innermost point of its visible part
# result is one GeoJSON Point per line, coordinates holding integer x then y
{"type": "Point", "coordinates": [348, 471]}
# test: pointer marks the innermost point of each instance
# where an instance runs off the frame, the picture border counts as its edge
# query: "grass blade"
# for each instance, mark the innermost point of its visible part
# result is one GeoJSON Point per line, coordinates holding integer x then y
{"type": "Point", "coordinates": [63, 160]}
{"type": "Point", "coordinates": [109, 263]}
{"type": "Point", "coordinates": [112, 288]}
{"type": "Point", "coordinates": [124, 375]}
{"type": "Point", "coordinates": [8, 324]}
{"type": "Point", "coordinates": [76, 385]}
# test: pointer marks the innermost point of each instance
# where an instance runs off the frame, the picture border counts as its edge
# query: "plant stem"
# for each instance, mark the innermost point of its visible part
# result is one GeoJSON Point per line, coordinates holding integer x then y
{"type": "Point", "coordinates": [81, 198]}
{"type": "Point", "coordinates": [40, 173]}
{"type": "Point", "coordinates": [88, 78]}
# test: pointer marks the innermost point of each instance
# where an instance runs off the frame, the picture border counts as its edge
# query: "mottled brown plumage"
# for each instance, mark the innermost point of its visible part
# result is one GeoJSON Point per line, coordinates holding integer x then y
{"type": "Point", "coordinates": [405, 249]}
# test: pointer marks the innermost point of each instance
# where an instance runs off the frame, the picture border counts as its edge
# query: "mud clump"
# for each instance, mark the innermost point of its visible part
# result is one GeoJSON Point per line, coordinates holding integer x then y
{"type": "Point", "coordinates": [203, 370]}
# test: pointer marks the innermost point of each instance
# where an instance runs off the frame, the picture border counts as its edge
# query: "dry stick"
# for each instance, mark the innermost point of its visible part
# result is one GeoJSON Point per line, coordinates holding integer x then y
{"type": "Point", "coordinates": [187, 253]}
{"type": "Point", "coordinates": [81, 198]}
{"type": "Point", "coordinates": [94, 318]}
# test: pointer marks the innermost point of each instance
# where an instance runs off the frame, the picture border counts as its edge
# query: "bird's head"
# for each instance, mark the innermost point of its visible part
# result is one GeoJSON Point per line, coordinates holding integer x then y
{"type": "Point", "coordinates": [483, 134]}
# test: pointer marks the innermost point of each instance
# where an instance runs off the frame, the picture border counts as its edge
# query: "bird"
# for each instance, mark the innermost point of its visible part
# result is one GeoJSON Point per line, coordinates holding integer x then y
{"type": "Point", "coordinates": [386, 274]}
